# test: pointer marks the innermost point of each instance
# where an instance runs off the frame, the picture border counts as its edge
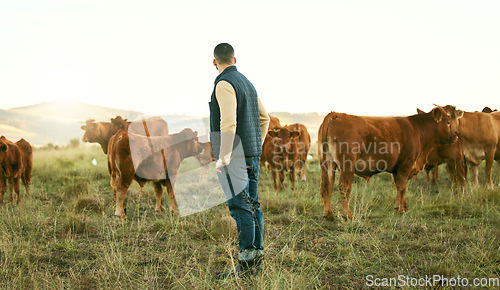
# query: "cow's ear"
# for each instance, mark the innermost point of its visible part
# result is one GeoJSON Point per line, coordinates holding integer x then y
{"type": "Point", "coordinates": [83, 127]}
{"type": "Point", "coordinates": [459, 114]}
{"type": "Point", "coordinates": [3, 147]}
{"type": "Point", "coordinates": [294, 134]}
{"type": "Point", "coordinates": [438, 114]}
{"type": "Point", "coordinates": [273, 133]}
{"type": "Point", "coordinates": [420, 111]}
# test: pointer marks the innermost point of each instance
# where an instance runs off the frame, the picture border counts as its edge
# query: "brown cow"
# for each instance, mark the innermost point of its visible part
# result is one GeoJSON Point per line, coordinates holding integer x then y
{"type": "Point", "coordinates": [274, 123]}
{"type": "Point", "coordinates": [480, 139]}
{"type": "Point", "coordinates": [101, 132]}
{"type": "Point", "coordinates": [282, 154]}
{"type": "Point", "coordinates": [27, 152]}
{"type": "Point", "coordinates": [12, 168]}
{"type": "Point", "coordinates": [496, 117]}
{"type": "Point", "coordinates": [153, 168]}
{"type": "Point", "coordinates": [303, 146]}
{"type": "Point", "coordinates": [369, 145]}
{"type": "Point", "coordinates": [451, 154]}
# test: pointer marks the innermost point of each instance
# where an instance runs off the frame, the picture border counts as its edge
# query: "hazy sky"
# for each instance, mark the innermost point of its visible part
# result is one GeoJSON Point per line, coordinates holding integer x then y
{"type": "Point", "coordinates": [359, 57]}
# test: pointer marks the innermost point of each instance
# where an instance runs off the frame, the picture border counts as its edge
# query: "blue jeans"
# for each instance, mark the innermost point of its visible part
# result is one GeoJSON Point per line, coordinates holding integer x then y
{"type": "Point", "coordinates": [245, 207]}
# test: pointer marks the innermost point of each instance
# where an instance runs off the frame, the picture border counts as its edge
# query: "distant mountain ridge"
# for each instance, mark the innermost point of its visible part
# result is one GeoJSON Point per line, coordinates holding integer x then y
{"type": "Point", "coordinates": [58, 122]}
{"type": "Point", "coordinates": [54, 122]}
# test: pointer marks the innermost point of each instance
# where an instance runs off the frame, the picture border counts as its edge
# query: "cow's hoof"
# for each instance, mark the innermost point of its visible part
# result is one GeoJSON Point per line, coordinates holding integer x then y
{"type": "Point", "coordinates": [328, 218]}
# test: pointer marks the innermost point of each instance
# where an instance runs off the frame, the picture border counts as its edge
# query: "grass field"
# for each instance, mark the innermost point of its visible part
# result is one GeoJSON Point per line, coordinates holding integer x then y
{"type": "Point", "coordinates": [65, 235]}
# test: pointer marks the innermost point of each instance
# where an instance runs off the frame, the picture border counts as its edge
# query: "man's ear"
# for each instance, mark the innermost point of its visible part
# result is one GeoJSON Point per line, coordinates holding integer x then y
{"type": "Point", "coordinates": [234, 58]}
{"type": "Point", "coordinates": [215, 62]}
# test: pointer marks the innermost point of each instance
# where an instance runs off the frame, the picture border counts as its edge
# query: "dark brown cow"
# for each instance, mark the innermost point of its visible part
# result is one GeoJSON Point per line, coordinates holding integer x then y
{"type": "Point", "coordinates": [488, 110]}
{"type": "Point", "coordinates": [369, 145]}
{"type": "Point", "coordinates": [12, 168]}
{"type": "Point", "coordinates": [27, 152]}
{"type": "Point", "coordinates": [480, 139]}
{"type": "Point", "coordinates": [451, 154]}
{"type": "Point", "coordinates": [303, 146]}
{"type": "Point", "coordinates": [281, 152]}
{"type": "Point", "coordinates": [122, 170]}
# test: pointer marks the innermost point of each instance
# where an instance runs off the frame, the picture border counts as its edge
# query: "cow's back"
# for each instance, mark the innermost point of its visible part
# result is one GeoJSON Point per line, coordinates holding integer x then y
{"type": "Point", "coordinates": [391, 139]}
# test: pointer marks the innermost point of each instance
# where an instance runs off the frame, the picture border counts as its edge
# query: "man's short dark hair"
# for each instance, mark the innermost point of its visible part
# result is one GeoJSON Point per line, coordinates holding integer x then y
{"type": "Point", "coordinates": [224, 53]}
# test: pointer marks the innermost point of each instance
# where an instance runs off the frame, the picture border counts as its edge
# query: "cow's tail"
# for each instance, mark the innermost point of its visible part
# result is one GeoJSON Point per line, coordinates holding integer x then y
{"type": "Point", "coordinates": [325, 160]}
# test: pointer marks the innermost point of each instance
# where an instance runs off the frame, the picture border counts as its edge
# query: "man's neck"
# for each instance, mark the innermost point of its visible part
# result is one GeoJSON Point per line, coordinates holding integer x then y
{"type": "Point", "coordinates": [222, 67]}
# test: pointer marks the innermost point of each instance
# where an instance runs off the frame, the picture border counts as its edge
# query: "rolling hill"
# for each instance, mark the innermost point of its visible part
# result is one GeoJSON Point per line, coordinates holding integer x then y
{"type": "Point", "coordinates": [60, 121]}
{"type": "Point", "coordinates": [54, 122]}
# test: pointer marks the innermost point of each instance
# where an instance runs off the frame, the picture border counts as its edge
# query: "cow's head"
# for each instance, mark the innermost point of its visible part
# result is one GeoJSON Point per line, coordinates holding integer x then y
{"type": "Point", "coordinates": [91, 129]}
{"type": "Point", "coordinates": [206, 156]}
{"type": "Point", "coordinates": [3, 149]}
{"type": "Point", "coordinates": [190, 144]}
{"type": "Point", "coordinates": [285, 139]}
{"type": "Point", "coordinates": [454, 115]}
{"type": "Point", "coordinates": [444, 129]}
{"type": "Point", "coordinates": [118, 123]}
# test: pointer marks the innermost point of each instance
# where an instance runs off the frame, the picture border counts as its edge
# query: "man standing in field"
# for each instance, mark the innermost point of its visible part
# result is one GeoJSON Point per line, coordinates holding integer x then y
{"type": "Point", "coordinates": [238, 119]}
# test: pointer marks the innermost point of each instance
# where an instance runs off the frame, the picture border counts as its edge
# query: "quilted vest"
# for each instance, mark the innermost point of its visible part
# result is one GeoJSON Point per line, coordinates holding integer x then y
{"type": "Point", "coordinates": [247, 114]}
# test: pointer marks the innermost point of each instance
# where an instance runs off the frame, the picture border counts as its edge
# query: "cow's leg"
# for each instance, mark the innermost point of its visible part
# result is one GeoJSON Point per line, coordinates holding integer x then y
{"type": "Point", "coordinates": [27, 184]}
{"type": "Point", "coordinates": [3, 189]}
{"type": "Point", "coordinates": [17, 189]}
{"type": "Point", "coordinates": [158, 193]}
{"type": "Point", "coordinates": [11, 189]}
{"type": "Point", "coordinates": [346, 178]}
{"type": "Point", "coordinates": [171, 196]}
{"type": "Point", "coordinates": [303, 165]}
{"type": "Point", "coordinates": [490, 155]}
{"type": "Point", "coordinates": [326, 187]}
{"type": "Point", "coordinates": [498, 161]}
{"type": "Point", "coordinates": [400, 181]}
{"type": "Point", "coordinates": [475, 173]}
{"type": "Point", "coordinates": [121, 186]}
{"type": "Point", "coordinates": [435, 175]}
{"type": "Point", "coordinates": [291, 175]}
{"type": "Point", "coordinates": [281, 181]}
{"type": "Point", "coordinates": [274, 175]}
{"type": "Point", "coordinates": [121, 193]}
{"type": "Point", "coordinates": [427, 175]}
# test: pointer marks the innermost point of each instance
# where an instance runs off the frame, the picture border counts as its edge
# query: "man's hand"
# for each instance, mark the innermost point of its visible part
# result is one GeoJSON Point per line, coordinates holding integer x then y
{"type": "Point", "coordinates": [219, 164]}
